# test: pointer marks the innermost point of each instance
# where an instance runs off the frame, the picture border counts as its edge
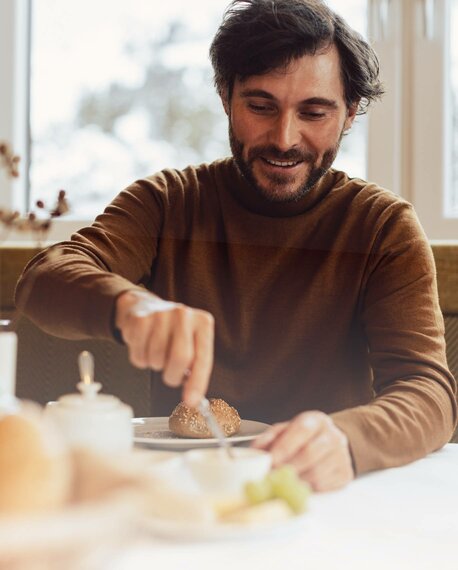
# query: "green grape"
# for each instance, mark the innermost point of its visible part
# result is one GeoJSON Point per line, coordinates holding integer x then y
{"type": "Point", "coordinates": [258, 491]}
{"type": "Point", "coordinates": [283, 476]}
{"type": "Point", "coordinates": [286, 485]}
{"type": "Point", "coordinates": [296, 495]}
{"type": "Point", "coordinates": [281, 483]}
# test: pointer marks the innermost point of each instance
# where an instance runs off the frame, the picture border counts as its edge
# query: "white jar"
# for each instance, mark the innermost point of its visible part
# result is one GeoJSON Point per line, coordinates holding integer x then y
{"type": "Point", "coordinates": [8, 351]}
{"type": "Point", "coordinates": [100, 422]}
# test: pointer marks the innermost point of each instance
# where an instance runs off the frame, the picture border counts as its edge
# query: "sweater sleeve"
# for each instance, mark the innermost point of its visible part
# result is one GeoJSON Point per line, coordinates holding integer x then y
{"type": "Point", "coordinates": [414, 408]}
{"type": "Point", "coordinates": [69, 290]}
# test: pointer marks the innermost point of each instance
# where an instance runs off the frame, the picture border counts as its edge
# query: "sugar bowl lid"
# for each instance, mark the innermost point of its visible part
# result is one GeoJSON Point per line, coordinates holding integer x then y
{"type": "Point", "coordinates": [88, 398]}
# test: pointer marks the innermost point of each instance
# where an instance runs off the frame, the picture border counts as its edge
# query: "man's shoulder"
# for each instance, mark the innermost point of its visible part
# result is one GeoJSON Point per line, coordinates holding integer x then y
{"type": "Point", "coordinates": [376, 212]}
{"type": "Point", "coordinates": [368, 198]}
{"type": "Point", "coordinates": [191, 174]}
{"type": "Point", "coordinates": [189, 183]}
{"type": "Point", "coordinates": [365, 191]}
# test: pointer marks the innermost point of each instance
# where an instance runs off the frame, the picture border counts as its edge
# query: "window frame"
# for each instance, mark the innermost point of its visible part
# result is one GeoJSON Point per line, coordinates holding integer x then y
{"type": "Point", "coordinates": [14, 68]}
{"type": "Point", "coordinates": [411, 118]}
{"type": "Point", "coordinates": [414, 69]}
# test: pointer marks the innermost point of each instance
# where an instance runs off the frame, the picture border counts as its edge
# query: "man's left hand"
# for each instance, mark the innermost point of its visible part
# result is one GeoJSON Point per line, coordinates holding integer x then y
{"type": "Point", "coordinates": [314, 446]}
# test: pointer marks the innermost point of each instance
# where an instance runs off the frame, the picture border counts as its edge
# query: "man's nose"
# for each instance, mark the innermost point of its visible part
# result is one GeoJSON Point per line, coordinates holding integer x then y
{"type": "Point", "coordinates": [286, 132]}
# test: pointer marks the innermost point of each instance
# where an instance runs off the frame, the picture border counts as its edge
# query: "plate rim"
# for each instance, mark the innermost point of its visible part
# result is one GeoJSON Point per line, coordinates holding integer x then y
{"type": "Point", "coordinates": [221, 531]}
{"type": "Point", "coordinates": [189, 442]}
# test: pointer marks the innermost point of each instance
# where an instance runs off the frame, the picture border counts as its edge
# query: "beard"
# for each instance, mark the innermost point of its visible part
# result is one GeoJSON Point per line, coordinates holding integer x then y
{"type": "Point", "coordinates": [283, 187]}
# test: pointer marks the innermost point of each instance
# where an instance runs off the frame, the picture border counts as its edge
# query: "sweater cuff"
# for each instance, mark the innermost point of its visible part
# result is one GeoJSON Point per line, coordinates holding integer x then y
{"type": "Point", "coordinates": [114, 329]}
{"type": "Point", "coordinates": [345, 421]}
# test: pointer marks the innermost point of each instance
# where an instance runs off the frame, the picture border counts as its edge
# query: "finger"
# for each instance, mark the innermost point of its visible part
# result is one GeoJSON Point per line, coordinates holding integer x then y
{"type": "Point", "coordinates": [314, 451]}
{"type": "Point", "coordinates": [302, 429]}
{"type": "Point", "coordinates": [147, 305]}
{"type": "Point", "coordinates": [334, 468]}
{"type": "Point", "coordinates": [180, 353]}
{"type": "Point", "coordinates": [158, 340]}
{"type": "Point", "coordinates": [337, 480]}
{"type": "Point", "coordinates": [136, 336]}
{"type": "Point", "coordinates": [328, 475]}
{"type": "Point", "coordinates": [319, 476]}
{"type": "Point", "coordinates": [196, 386]}
{"type": "Point", "coordinates": [265, 440]}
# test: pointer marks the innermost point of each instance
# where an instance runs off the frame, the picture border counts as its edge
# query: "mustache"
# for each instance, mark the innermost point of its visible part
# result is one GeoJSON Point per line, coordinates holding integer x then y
{"type": "Point", "coordinates": [274, 153]}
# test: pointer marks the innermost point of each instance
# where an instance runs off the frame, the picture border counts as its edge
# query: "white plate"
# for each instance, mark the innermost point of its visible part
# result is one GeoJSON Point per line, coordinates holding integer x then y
{"type": "Point", "coordinates": [68, 537]}
{"type": "Point", "coordinates": [155, 432]}
{"type": "Point", "coordinates": [215, 531]}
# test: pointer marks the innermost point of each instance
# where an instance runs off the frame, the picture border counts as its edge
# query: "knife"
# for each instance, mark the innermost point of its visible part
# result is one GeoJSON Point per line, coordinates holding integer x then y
{"type": "Point", "coordinates": [214, 427]}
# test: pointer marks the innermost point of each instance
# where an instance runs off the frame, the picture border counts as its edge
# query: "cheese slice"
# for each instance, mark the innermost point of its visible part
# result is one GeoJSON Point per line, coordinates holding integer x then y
{"type": "Point", "coordinates": [269, 512]}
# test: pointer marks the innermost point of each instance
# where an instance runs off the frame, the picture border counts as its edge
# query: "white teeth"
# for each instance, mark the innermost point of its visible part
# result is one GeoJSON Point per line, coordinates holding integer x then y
{"type": "Point", "coordinates": [278, 163]}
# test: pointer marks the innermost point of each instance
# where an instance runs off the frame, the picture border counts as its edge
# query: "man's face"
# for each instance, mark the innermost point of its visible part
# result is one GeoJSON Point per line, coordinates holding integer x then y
{"type": "Point", "coordinates": [285, 126]}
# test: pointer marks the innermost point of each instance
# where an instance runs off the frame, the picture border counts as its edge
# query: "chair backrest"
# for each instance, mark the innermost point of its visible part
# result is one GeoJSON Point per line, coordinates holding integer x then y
{"type": "Point", "coordinates": [47, 368]}
{"type": "Point", "coordinates": [446, 257]}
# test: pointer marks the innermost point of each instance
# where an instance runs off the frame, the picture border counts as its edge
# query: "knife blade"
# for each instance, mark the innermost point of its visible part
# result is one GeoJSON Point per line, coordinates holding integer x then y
{"type": "Point", "coordinates": [214, 427]}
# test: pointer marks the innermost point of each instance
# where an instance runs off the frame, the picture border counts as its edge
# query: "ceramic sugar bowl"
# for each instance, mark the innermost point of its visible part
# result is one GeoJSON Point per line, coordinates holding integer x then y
{"type": "Point", "coordinates": [100, 422]}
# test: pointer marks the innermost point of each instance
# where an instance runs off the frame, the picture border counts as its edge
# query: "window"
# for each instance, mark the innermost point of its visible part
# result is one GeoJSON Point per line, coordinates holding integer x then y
{"type": "Point", "coordinates": [434, 190]}
{"type": "Point", "coordinates": [120, 90]}
{"type": "Point", "coordinates": [452, 194]}
{"type": "Point", "coordinates": [352, 157]}
{"type": "Point", "coordinates": [411, 134]}
{"type": "Point", "coordinates": [101, 70]}
{"type": "Point", "coordinates": [136, 96]}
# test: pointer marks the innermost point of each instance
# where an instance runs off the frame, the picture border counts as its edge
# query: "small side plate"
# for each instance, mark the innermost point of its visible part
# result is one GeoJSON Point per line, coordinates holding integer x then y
{"type": "Point", "coordinates": [155, 433]}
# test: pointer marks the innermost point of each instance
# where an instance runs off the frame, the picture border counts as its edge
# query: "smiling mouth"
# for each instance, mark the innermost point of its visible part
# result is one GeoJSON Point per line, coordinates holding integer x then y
{"type": "Point", "coordinates": [282, 163]}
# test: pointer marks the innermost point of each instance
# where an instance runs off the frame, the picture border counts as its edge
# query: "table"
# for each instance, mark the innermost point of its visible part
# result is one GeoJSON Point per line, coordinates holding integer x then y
{"type": "Point", "coordinates": [404, 518]}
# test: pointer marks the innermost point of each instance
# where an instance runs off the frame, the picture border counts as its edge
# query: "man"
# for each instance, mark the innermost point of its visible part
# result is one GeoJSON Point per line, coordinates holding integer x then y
{"type": "Point", "coordinates": [302, 297]}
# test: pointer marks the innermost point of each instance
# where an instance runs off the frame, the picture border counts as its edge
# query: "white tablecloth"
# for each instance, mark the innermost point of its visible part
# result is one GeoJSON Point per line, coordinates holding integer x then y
{"type": "Point", "coordinates": [403, 518]}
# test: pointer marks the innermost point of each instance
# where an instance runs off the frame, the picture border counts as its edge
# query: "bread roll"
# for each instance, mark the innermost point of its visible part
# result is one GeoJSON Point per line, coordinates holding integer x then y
{"type": "Point", "coordinates": [35, 476]}
{"type": "Point", "coordinates": [188, 422]}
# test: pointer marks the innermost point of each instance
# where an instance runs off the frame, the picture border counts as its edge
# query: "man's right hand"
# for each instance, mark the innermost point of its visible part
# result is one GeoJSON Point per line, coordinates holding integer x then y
{"type": "Point", "coordinates": [170, 337]}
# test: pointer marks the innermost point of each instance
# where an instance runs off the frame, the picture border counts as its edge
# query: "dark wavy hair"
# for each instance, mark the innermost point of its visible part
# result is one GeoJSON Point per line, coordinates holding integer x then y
{"type": "Point", "coordinates": [257, 36]}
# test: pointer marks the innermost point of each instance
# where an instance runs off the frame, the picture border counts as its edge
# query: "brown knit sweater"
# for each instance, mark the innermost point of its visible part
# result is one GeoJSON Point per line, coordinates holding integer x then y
{"type": "Point", "coordinates": [329, 303]}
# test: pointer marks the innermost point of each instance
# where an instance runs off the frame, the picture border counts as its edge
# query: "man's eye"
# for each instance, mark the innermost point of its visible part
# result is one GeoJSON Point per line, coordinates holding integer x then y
{"type": "Point", "coordinates": [259, 108]}
{"type": "Point", "coordinates": [314, 116]}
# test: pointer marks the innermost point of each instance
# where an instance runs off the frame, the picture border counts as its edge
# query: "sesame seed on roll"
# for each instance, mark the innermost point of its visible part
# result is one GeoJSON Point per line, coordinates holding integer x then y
{"type": "Point", "coordinates": [188, 422]}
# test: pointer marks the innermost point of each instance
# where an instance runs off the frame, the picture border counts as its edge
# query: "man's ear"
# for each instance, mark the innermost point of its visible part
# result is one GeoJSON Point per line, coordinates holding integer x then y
{"type": "Point", "coordinates": [351, 114]}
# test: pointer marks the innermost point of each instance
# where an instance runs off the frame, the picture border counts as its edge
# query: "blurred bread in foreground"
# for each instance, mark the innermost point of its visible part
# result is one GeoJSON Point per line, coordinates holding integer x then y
{"type": "Point", "coordinates": [188, 422]}
{"type": "Point", "coordinates": [35, 474]}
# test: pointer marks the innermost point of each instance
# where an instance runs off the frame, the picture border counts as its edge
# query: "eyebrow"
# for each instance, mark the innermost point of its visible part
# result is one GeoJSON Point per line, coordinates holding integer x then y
{"type": "Point", "coordinates": [322, 101]}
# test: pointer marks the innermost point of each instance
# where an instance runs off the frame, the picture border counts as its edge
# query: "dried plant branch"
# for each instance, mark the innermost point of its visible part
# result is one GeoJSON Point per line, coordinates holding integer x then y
{"type": "Point", "coordinates": [38, 223]}
{"type": "Point", "coordinates": [9, 160]}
